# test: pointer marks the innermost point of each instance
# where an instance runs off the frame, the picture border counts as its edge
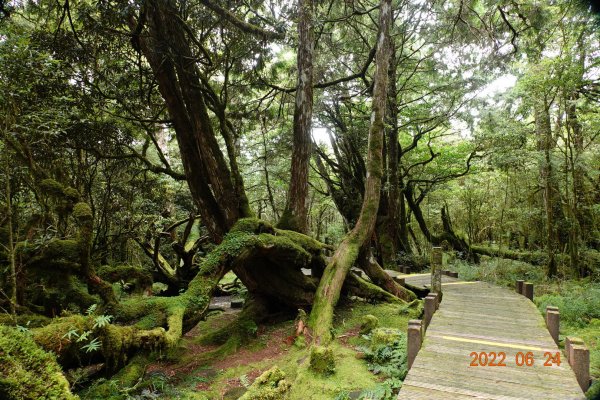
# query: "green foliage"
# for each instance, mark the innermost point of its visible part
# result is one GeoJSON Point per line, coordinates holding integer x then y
{"type": "Point", "coordinates": [593, 392]}
{"type": "Point", "coordinates": [500, 271]}
{"type": "Point", "coordinates": [578, 302]}
{"type": "Point", "coordinates": [82, 211]}
{"type": "Point", "coordinates": [387, 356]}
{"type": "Point", "coordinates": [28, 372]}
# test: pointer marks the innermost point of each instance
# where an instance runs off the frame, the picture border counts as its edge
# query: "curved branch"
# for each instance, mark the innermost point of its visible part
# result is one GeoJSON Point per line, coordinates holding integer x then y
{"type": "Point", "coordinates": [242, 25]}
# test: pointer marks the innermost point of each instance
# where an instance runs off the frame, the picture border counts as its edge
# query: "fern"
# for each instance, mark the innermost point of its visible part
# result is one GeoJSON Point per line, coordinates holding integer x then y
{"type": "Point", "coordinates": [101, 321]}
{"type": "Point", "coordinates": [84, 336]}
{"type": "Point", "coordinates": [91, 309]}
{"type": "Point", "coordinates": [71, 334]}
{"type": "Point", "coordinates": [93, 345]}
{"type": "Point", "coordinates": [24, 329]}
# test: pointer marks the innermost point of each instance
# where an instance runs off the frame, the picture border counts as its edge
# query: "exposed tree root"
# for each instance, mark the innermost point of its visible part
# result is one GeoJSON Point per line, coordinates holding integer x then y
{"type": "Point", "coordinates": [377, 275]}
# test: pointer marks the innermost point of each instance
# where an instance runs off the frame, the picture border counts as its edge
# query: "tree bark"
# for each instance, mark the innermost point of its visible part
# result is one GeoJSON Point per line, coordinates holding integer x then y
{"type": "Point", "coordinates": [166, 47]}
{"type": "Point", "coordinates": [381, 278]}
{"type": "Point", "coordinates": [295, 216]}
{"type": "Point", "coordinates": [548, 182]}
{"type": "Point", "coordinates": [330, 285]}
{"type": "Point", "coordinates": [11, 243]}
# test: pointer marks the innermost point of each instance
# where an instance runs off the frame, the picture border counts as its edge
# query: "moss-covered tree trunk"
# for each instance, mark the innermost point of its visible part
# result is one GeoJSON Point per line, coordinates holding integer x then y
{"type": "Point", "coordinates": [330, 285]}
{"type": "Point", "coordinates": [447, 235]}
{"type": "Point", "coordinates": [381, 278]}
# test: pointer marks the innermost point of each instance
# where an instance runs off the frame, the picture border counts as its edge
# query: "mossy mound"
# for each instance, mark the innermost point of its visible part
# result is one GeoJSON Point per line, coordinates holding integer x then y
{"type": "Point", "coordinates": [368, 323]}
{"type": "Point", "coordinates": [28, 372]}
{"type": "Point", "coordinates": [126, 273]}
{"type": "Point", "coordinates": [322, 360]}
{"type": "Point", "coordinates": [271, 385]}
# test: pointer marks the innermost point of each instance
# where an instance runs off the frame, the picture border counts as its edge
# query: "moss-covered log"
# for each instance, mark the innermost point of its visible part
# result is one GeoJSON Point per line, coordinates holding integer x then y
{"type": "Point", "coordinates": [531, 257]}
{"type": "Point", "coordinates": [268, 261]}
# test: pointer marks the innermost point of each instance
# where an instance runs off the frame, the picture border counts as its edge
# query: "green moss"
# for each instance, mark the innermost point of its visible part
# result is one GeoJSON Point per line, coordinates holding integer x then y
{"type": "Point", "coordinates": [71, 194]}
{"type": "Point", "coordinates": [28, 372]}
{"type": "Point", "coordinates": [368, 323]}
{"type": "Point", "coordinates": [271, 385]}
{"type": "Point", "coordinates": [28, 320]}
{"type": "Point", "coordinates": [118, 387]}
{"type": "Point", "coordinates": [52, 337]}
{"type": "Point", "coordinates": [65, 249]}
{"type": "Point", "coordinates": [51, 187]}
{"type": "Point", "coordinates": [288, 221]}
{"type": "Point", "coordinates": [231, 246]}
{"type": "Point", "coordinates": [82, 211]}
{"type": "Point", "coordinates": [593, 392]}
{"type": "Point", "coordinates": [252, 225]}
{"type": "Point", "coordinates": [306, 242]}
{"type": "Point", "coordinates": [126, 273]}
{"type": "Point", "coordinates": [322, 360]}
{"type": "Point", "coordinates": [351, 375]}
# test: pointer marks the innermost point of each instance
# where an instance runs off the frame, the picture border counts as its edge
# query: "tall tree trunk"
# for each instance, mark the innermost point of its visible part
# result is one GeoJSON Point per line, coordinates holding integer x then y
{"type": "Point", "coordinates": [392, 232]}
{"type": "Point", "coordinates": [166, 47]}
{"type": "Point", "coordinates": [295, 216]}
{"type": "Point", "coordinates": [11, 242]}
{"type": "Point", "coordinates": [550, 190]}
{"type": "Point", "coordinates": [328, 292]}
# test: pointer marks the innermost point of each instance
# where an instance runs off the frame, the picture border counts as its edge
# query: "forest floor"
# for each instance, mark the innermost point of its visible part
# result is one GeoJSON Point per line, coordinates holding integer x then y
{"type": "Point", "coordinates": [206, 371]}
{"type": "Point", "coordinates": [197, 370]}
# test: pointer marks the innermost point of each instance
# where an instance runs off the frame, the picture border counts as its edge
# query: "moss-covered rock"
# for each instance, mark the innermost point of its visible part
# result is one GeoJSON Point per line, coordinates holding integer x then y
{"type": "Point", "coordinates": [28, 372]}
{"type": "Point", "coordinates": [322, 360]}
{"type": "Point", "coordinates": [368, 323]}
{"type": "Point", "coordinates": [271, 385]}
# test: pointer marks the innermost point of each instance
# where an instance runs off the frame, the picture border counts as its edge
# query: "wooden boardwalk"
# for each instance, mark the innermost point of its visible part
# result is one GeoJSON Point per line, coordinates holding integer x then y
{"type": "Point", "coordinates": [479, 317]}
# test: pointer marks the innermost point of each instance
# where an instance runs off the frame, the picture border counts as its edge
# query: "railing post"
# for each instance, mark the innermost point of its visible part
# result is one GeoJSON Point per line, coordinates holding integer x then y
{"type": "Point", "coordinates": [553, 322]}
{"type": "Point", "coordinates": [581, 365]}
{"type": "Point", "coordinates": [414, 340]}
{"type": "Point", "coordinates": [571, 341]}
{"type": "Point", "coordinates": [519, 286]}
{"type": "Point", "coordinates": [430, 307]}
{"type": "Point", "coordinates": [528, 290]}
{"type": "Point", "coordinates": [436, 270]}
